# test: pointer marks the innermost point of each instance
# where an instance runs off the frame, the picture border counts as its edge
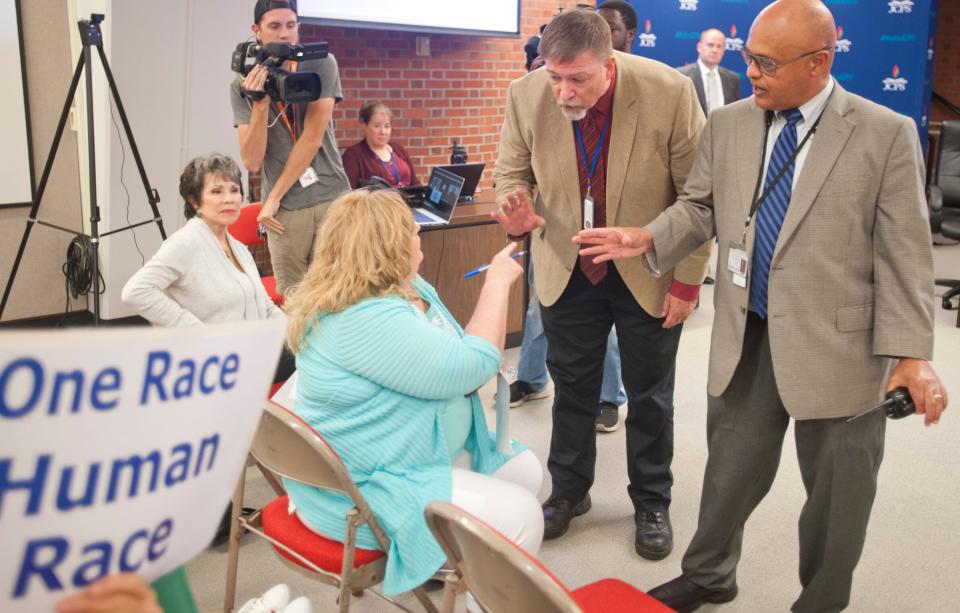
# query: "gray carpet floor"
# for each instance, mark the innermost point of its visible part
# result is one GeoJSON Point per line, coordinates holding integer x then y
{"type": "Point", "coordinates": [909, 562]}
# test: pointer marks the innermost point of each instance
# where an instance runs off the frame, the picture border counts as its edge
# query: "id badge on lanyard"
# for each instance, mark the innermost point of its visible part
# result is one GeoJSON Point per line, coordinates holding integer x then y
{"type": "Point", "coordinates": [589, 168]}
{"type": "Point", "coordinates": [737, 263]}
{"type": "Point", "coordinates": [309, 176]}
{"type": "Point", "coordinates": [587, 211]}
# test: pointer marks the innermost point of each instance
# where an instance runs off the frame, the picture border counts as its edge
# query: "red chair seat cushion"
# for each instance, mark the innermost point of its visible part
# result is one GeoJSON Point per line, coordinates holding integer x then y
{"type": "Point", "coordinates": [270, 284]}
{"type": "Point", "coordinates": [615, 596]}
{"type": "Point", "coordinates": [325, 553]}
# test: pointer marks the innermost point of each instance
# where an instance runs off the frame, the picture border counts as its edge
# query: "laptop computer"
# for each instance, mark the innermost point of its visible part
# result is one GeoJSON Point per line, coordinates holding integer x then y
{"type": "Point", "coordinates": [471, 174]}
{"type": "Point", "coordinates": [433, 203]}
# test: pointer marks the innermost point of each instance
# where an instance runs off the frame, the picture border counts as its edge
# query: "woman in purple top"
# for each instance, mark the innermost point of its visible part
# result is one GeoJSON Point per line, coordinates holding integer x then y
{"type": "Point", "coordinates": [375, 155]}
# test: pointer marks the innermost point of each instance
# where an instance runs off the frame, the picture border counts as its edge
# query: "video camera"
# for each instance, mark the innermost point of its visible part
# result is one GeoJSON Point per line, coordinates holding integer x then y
{"type": "Point", "coordinates": [281, 84]}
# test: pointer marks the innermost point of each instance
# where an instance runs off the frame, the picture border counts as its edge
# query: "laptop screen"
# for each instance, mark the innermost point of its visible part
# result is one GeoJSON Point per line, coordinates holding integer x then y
{"type": "Point", "coordinates": [471, 175]}
{"type": "Point", "coordinates": [442, 193]}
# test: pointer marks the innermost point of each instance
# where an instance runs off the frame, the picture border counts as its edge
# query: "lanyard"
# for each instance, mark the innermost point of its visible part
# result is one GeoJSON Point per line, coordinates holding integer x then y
{"type": "Point", "coordinates": [281, 110]}
{"type": "Point", "coordinates": [393, 167]}
{"type": "Point", "coordinates": [757, 201]}
{"type": "Point", "coordinates": [596, 152]}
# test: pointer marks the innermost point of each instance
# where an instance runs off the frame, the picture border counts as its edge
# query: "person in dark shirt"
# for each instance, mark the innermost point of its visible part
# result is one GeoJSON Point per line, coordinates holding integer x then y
{"type": "Point", "coordinates": [622, 19]}
{"type": "Point", "coordinates": [375, 155]}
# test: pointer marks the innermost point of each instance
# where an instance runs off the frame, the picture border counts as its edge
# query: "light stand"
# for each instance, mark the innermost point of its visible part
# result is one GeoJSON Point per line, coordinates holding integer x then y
{"type": "Point", "coordinates": [91, 36]}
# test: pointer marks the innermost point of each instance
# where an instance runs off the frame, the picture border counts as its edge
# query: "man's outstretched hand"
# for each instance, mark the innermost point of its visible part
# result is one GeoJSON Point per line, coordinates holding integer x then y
{"type": "Point", "coordinates": [614, 243]}
{"type": "Point", "coordinates": [516, 214]}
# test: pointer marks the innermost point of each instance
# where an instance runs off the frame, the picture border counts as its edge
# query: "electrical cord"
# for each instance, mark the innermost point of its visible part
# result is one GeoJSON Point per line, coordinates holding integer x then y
{"type": "Point", "coordinates": [123, 160]}
{"type": "Point", "coordinates": [78, 268]}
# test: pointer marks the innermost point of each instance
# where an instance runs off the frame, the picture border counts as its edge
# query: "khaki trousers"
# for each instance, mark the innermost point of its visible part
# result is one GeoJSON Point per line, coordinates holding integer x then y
{"type": "Point", "coordinates": [292, 251]}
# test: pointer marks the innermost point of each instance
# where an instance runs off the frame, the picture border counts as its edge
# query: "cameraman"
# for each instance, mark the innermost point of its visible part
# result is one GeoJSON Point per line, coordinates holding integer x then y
{"type": "Point", "coordinates": [291, 145]}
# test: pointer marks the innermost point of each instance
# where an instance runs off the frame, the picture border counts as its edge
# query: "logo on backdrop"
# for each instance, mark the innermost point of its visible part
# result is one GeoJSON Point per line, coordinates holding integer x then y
{"type": "Point", "coordinates": [843, 44]}
{"type": "Point", "coordinates": [734, 43]}
{"type": "Point", "coordinates": [900, 6]}
{"type": "Point", "coordinates": [896, 83]}
{"type": "Point", "coordinates": [898, 38]}
{"type": "Point", "coordinates": [689, 5]}
{"type": "Point", "coordinates": [647, 39]}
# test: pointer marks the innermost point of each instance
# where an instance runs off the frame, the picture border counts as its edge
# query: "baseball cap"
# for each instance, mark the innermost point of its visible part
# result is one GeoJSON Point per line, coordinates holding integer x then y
{"type": "Point", "coordinates": [263, 6]}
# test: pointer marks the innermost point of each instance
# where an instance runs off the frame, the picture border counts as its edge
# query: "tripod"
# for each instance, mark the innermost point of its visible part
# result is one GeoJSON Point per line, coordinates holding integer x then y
{"type": "Point", "coordinates": [90, 36]}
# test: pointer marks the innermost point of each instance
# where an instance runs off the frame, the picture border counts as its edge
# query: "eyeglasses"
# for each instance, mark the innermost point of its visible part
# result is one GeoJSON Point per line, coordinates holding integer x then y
{"type": "Point", "coordinates": [770, 66]}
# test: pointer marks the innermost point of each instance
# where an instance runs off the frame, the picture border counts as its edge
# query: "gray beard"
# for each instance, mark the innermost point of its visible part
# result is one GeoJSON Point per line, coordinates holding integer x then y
{"type": "Point", "coordinates": [573, 115]}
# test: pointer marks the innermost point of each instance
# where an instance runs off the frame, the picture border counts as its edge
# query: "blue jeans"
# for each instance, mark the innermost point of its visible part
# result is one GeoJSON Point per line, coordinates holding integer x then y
{"type": "Point", "coordinates": [532, 367]}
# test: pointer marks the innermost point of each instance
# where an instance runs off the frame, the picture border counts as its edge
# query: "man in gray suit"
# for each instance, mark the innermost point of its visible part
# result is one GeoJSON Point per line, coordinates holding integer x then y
{"type": "Point", "coordinates": [715, 85]}
{"type": "Point", "coordinates": [824, 300]}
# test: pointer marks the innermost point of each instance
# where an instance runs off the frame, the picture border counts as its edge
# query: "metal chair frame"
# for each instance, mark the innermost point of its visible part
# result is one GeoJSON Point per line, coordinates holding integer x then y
{"type": "Point", "coordinates": [287, 446]}
{"type": "Point", "coordinates": [511, 579]}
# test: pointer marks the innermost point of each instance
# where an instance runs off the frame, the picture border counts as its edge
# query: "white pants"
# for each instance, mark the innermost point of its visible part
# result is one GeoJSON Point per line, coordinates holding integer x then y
{"type": "Point", "coordinates": [505, 500]}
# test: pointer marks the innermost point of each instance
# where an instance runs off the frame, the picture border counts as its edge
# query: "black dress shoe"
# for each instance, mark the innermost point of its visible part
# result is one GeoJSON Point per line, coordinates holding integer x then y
{"type": "Point", "coordinates": [685, 596]}
{"type": "Point", "coordinates": [558, 512]}
{"type": "Point", "coordinates": [708, 280]}
{"type": "Point", "coordinates": [654, 534]}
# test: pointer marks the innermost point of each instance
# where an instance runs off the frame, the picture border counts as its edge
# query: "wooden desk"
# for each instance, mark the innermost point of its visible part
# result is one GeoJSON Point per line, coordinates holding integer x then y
{"type": "Point", "coordinates": [470, 240]}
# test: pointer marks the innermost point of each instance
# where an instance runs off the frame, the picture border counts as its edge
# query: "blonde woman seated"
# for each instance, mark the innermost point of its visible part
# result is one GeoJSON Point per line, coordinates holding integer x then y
{"type": "Point", "coordinates": [201, 274]}
{"type": "Point", "coordinates": [388, 377]}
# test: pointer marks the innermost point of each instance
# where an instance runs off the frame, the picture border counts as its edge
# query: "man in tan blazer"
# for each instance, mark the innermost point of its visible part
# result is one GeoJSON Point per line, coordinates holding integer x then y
{"type": "Point", "coordinates": [816, 315]}
{"type": "Point", "coordinates": [607, 138]}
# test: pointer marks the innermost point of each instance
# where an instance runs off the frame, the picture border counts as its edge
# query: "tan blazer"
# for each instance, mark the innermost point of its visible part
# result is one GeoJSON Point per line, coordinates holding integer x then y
{"type": "Point", "coordinates": [656, 125]}
{"type": "Point", "coordinates": [851, 281]}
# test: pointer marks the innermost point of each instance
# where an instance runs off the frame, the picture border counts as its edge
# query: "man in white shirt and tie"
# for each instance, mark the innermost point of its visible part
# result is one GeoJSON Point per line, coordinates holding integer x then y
{"type": "Point", "coordinates": [715, 85]}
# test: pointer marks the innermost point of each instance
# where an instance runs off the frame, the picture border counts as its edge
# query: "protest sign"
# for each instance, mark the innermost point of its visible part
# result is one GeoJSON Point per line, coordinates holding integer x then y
{"type": "Point", "coordinates": [120, 448]}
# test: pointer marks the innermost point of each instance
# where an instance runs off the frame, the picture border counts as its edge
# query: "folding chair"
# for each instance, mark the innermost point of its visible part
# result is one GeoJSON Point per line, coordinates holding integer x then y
{"type": "Point", "coordinates": [287, 446]}
{"type": "Point", "coordinates": [504, 578]}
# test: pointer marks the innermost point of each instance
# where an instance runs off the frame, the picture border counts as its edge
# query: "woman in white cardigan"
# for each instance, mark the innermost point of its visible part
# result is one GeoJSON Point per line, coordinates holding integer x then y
{"type": "Point", "coordinates": [201, 274]}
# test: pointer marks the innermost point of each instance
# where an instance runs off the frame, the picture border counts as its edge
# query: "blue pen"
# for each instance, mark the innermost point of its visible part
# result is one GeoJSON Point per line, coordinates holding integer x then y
{"type": "Point", "coordinates": [477, 271]}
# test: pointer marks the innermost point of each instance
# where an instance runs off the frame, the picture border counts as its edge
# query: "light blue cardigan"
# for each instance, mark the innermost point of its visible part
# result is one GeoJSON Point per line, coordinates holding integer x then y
{"type": "Point", "coordinates": [371, 381]}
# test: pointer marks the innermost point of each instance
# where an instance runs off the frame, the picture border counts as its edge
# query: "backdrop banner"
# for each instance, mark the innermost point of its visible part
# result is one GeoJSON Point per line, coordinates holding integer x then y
{"type": "Point", "coordinates": [120, 449]}
{"type": "Point", "coordinates": [884, 47]}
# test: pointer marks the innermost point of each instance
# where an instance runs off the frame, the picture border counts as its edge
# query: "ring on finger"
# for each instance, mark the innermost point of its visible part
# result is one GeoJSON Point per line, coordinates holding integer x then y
{"type": "Point", "coordinates": [938, 396]}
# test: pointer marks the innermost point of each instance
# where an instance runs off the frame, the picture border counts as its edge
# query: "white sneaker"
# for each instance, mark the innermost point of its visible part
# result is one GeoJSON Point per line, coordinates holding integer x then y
{"type": "Point", "coordinates": [300, 605]}
{"type": "Point", "coordinates": [273, 600]}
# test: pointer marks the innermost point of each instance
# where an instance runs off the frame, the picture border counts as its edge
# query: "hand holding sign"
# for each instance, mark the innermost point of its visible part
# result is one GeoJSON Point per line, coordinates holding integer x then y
{"type": "Point", "coordinates": [126, 593]}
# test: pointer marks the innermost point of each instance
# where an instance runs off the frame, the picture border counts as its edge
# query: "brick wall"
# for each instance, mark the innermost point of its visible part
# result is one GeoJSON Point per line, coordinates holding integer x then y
{"type": "Point", "coordinates": [457, 93]}
{"type": "Point", "coordinates": [946, 70]}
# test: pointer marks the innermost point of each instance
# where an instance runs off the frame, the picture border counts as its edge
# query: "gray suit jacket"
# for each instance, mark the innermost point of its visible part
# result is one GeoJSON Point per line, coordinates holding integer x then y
{"type": "Point", "coordinates": [729, 80]}
{"type": "Point", "coordinates": [851, 280]}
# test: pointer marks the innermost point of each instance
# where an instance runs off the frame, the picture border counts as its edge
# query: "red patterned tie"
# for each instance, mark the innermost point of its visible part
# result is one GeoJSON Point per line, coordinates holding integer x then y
{"type": "Point", "coordinates": [591, 127]}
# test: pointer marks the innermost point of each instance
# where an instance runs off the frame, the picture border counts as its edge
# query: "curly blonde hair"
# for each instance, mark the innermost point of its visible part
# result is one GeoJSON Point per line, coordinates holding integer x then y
{"type": "Point", "coordinates": [363, 251]}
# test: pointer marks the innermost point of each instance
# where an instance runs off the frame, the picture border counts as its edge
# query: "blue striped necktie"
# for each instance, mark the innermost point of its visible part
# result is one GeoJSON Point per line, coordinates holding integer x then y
{"type": "Point", "coordinates": [772, 211]}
